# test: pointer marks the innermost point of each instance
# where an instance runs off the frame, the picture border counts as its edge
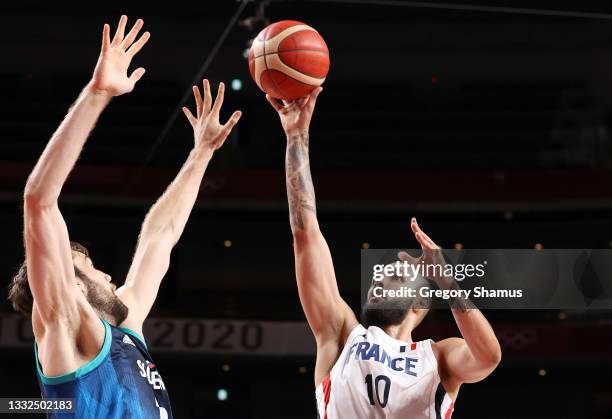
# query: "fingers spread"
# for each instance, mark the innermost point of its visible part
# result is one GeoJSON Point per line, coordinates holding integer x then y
{"type": "Point", "coordinates": [198, 100]}
{"type": "Point", "coordinates": [120, 31]}
{"type": "Point", "coordinates": [274, 103]}
{"type": "Point", "coordinates": [132, 34]}
{"type": "Point", "coordinates": [312, 98]}
{"type": "Point", "coordinates": [105, 37]}
{"type": "Point", "coordinates": [207, 97]}
{"type": "Point", "coordinates": [192, 120]}
{"type": "Point", "coordinates": [233, 120]}
{"type": "Point", "coordinates": [137, 74]}
{"type": "Point", "coordinates": [227, 128]}
{"type": "Point", "coordinates": [219, 99]}
{"type": "Point", "coordinates": [137, 46]}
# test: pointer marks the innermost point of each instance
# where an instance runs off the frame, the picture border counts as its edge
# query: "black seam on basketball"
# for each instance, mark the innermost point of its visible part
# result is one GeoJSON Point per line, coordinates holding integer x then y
{"type": "Point", "coordinates": [267, 68]}
{"type": "Point", "coordinates": [276, 87]}
{"type": "Point", "coordinates": [291, 67]}
{"type": "Point", "coordinates": [293, 50]}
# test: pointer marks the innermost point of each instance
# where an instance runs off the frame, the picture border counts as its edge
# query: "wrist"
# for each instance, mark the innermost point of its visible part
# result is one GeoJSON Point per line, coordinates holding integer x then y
{"type": "Point", "coordinates": [446, 282]}
{"type": "Point", "coordinates": [100, 96]}
{"type": "Point", "coordinates": [296, 133]}
{"type": "Point", "coordinates": [202, 151]}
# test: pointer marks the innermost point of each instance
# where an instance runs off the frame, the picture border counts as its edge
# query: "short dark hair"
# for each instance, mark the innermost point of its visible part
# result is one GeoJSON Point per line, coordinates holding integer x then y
{"type": "Point", "coordinates": [20, 294]}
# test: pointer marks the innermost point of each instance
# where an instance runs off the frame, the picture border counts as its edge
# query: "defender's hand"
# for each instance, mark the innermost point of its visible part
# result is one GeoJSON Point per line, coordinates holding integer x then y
{"type": "Point", "coordinates": [208, 132]}
{"type": "Point", "coordinates": [295, 115]}
{"type": "Point", "coordinates": [110, 77]}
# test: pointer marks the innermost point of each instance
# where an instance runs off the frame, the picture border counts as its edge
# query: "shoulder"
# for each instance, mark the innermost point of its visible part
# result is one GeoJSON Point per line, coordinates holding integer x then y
{"type": "Point", "coordinates": [64, 343]}
{"type": "Point", "coordinates": [447, 344]}
{"type": "Point", "coordinates": [442, 348]}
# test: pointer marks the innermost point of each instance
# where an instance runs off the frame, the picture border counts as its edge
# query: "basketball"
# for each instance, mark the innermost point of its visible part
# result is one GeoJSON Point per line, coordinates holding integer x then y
{"type": "Point", "coordinates": [288, 60]}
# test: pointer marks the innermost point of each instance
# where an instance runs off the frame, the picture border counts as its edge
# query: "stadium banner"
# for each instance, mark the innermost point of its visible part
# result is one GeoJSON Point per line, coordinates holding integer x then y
{"type": "Point", "coordinates": [523, 341]}
{"type": "Point", "coordinates": [571, 279]}
{"type": "Point", "coordinates": [207, 336]}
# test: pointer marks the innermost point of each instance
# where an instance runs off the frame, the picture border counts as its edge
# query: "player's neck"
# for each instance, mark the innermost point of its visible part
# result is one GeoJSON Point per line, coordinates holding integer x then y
{"type": "Point", "coordinates": [402, 331]}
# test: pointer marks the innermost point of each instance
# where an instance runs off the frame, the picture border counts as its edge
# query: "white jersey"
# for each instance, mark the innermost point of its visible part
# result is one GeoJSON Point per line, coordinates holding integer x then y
{"type": "Point", "coordinates": [377, 376]}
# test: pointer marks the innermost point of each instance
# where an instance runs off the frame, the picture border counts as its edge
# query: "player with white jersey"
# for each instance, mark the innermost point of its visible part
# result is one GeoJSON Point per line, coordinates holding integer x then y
{"type": "Point", "coordinates": [374, 370]}
{"type": "Point", "coordinates": [371, 364]}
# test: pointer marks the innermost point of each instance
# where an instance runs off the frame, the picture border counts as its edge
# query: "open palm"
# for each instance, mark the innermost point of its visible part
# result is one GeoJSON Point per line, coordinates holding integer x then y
{"type": "Point", "coordinates": [208, 132]}
{"type": "Point", "coordinates": [111, 73]}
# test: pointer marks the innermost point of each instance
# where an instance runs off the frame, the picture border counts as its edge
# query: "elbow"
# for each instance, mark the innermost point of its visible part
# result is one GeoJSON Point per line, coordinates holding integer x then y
{"type": "Point", "coordinates": [304, 235]}
{"type": "Point", "coordinates": [34, 199]}
{"type": "Point", "coordinates": [159, 234]}
{"type": "Point", "coordinates": [304, 228]}
{"type": "Point", "coordinates": [494, 356]}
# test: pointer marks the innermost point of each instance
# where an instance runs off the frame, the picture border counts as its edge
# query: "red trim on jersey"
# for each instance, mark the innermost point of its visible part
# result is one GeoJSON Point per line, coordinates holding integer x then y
{"type": "Point", "coordinates": [413, 347]}
{"type": "Point", "coordinates": [449, 412]}
{"type": "Point", "coordinates": [326, 394]}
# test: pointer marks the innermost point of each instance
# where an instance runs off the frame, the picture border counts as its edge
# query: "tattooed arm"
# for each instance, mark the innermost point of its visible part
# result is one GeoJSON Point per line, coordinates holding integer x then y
{"type": "Point", "coordinates": [328, 315]}
{"type": "Point", "coordinates": [300, 190]}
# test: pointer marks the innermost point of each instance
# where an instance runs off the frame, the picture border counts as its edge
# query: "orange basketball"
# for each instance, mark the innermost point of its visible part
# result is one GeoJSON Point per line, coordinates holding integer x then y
{"type": "Point", "coordinates": [288, 60]}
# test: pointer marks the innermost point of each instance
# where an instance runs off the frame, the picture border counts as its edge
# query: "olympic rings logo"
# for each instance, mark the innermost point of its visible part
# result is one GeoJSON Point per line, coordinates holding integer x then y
{"type": "Point", "coordinates": [517, 339]}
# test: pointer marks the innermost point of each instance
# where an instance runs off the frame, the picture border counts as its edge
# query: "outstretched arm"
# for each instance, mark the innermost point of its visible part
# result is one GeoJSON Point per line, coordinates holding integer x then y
{"type": "Point", "coordinates": [166, 220]}
{"type": "Point", "coordinates": [474, 357]}
{"type": "Point", "coordinates": [327, 313]}
{"type": "Point", "coordinates": [48, 254]}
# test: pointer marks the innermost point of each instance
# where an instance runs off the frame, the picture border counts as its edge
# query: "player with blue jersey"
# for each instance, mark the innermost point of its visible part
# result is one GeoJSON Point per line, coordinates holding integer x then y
{"type": "Point", "coordinates": [89, 344]}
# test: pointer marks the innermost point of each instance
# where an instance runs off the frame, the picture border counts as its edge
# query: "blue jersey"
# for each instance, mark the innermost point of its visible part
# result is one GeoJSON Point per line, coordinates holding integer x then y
{"type": "Point", "coordinates": [120, 382]}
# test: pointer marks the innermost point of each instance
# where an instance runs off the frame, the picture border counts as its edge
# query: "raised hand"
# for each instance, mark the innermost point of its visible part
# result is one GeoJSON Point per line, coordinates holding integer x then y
{"type": "Point", "coordinates": [208, 132]}
{"type": "Point", "coordinates": [111, 73]}
{"type": "Point", "coordinates": [432, 254]}
{"type": "Point", "coordinates": [426, 243]}
{"type": "Point", "coordinates": [295, 115]}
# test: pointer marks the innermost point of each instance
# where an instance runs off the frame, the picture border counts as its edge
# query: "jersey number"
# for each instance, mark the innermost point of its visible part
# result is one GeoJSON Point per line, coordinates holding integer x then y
{"type": "Point", "coordinates": [374, 385]}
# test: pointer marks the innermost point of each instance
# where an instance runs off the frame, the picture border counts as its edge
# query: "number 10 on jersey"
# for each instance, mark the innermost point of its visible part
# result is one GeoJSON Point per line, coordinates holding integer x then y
{"type": "Point", "coordinates": [373, 386]}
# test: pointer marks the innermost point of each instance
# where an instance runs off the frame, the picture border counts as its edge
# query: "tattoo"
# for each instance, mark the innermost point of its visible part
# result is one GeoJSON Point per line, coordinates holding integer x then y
{"type": "Point", "coordinates": [459, 303]}
{"type": "Point", "coordinates": [300, 189]}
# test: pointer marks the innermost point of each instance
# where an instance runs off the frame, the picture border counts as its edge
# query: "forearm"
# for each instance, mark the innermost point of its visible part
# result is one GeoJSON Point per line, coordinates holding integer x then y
{"type": "Point", "coordinates": [171, 211]}
{"type": "Point", "coordinates": [300, 189]}
{"type": "Point", "coordinates": [478, 335]}
{"type": "Point", "coordinates": [61, 153]}
{"type": "Point", "coordinates": [474, 327]}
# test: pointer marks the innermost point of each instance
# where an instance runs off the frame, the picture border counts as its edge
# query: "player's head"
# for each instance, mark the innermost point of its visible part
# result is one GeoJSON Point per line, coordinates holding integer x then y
{"type": "Point", "coordinates": [383, 310]}
{"type": "Point", "coordinates": [95, 285]}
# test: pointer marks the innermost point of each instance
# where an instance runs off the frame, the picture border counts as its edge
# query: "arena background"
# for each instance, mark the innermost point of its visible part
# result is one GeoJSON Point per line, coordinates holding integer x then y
{"type": "Point", "coordinates": [491, 127]}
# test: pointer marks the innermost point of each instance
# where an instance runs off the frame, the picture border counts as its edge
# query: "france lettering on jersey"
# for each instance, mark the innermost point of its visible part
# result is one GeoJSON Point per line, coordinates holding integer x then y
{"type": "Point", "coordinates": [120, 382]}
{"type": "Point", "coordinates": [377, 376]}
